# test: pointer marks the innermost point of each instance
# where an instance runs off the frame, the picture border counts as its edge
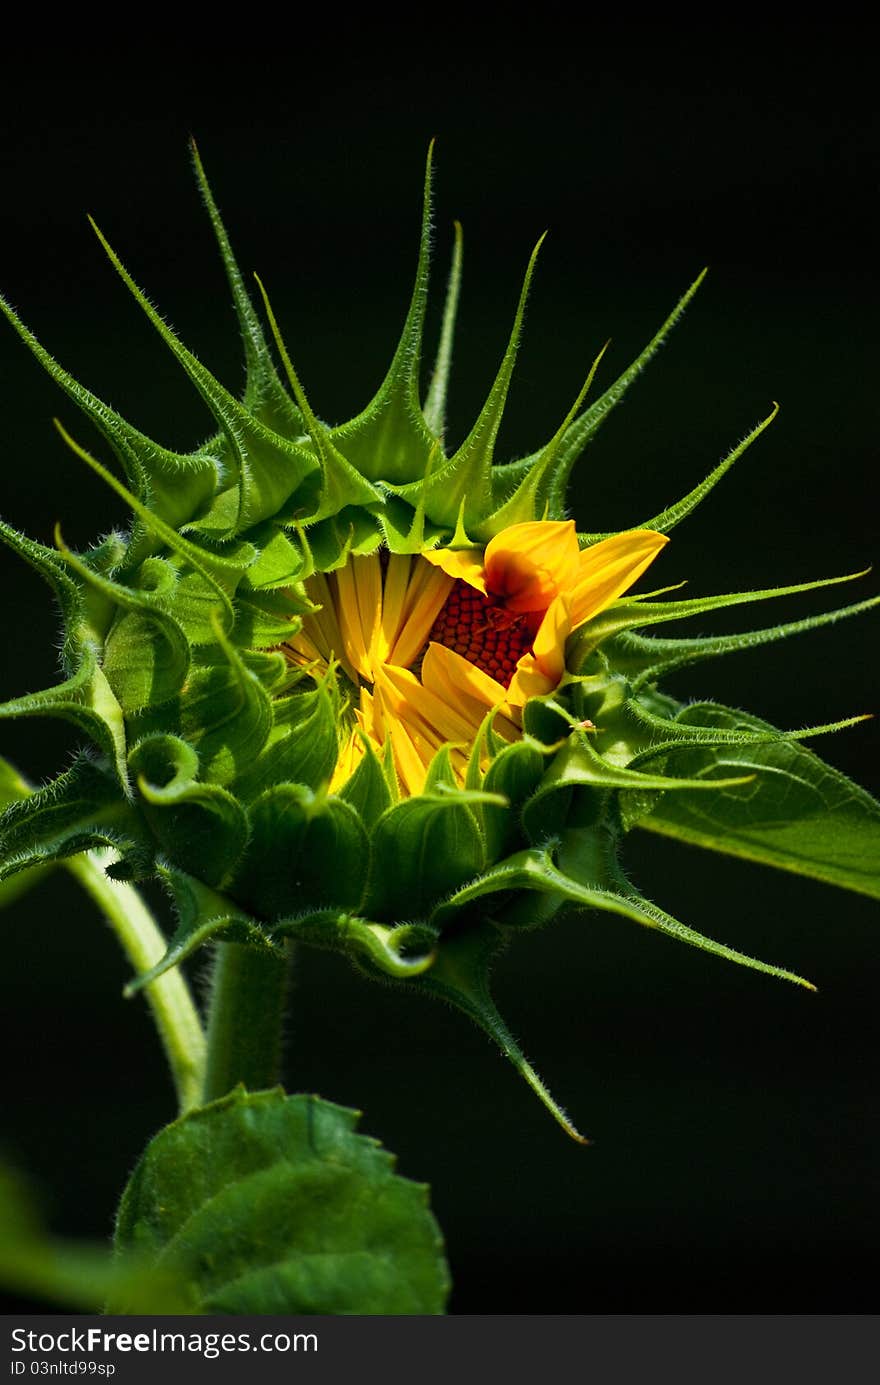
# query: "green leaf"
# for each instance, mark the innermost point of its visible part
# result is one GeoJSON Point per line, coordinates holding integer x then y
{"type": "Point", "coordinates": [423, 848]}
{"type": "Point", "coordinates": [266, 1203]}
{"type": "Point", "coordinates": [307, 852]}
{"type": "Point", "coordinates": [799, 814]}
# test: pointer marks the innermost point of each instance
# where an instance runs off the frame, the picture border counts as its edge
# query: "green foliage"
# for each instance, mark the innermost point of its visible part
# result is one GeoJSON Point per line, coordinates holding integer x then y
{"type": "Point", "coordinates": [212, 754]}
{"type": "Point", "coordinates": [266, 1203]}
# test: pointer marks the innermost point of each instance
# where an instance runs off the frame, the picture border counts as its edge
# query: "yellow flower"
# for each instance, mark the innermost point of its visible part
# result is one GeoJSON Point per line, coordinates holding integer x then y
{"type": "Point", "coordinates": [435, 641]}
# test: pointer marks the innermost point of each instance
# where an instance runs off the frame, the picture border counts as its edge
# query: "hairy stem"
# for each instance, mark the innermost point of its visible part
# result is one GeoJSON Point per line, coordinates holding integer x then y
{"type": "Point", "coordinates": [169, 998]}
{"type": "Point", "coordinates": [245, 1019]}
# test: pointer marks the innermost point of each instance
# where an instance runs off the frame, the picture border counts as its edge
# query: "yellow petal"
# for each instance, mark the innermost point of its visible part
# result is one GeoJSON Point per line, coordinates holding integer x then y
{"type": "Point", "coordinates": [609, 568]}
{"type": "Point", "coordinates": [321, 628]}
{"type": "Point", "coordinates": [549, 646]}
{"type": "Point", "coordinates": [426, 595]}
{"type": "Point", "coordinates": [448, 721]}
{"type": "Point", "coordinates": [456, 678]}
{"type": "Point", "coordinates": [354, 640]}
{"type": "Point", "coordinates": [528, 681]}
{"type": "Point", "coordinates": [465, 564]}
{"type": "Point", "coordinates": [350, 757]}
{"type": "Point", "coordinates": [530, 564]}
{"type": "Point", "coordinates": [394, 592]}
{"type": "Point", "coordinates": [457, 681]}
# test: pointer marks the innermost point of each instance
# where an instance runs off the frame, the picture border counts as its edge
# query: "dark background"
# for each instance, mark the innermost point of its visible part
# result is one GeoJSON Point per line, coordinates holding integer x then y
{"type": "Point", "coordinates": [734, 1118]}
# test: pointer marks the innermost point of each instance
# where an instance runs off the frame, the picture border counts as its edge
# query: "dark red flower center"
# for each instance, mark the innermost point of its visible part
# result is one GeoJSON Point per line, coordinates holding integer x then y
{"type": "Point", "coordinates": [482, 630]}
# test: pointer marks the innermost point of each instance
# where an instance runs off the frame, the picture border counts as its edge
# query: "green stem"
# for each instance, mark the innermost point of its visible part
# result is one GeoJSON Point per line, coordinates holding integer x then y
{"type": "Point", "coordinates": [169, 998]}
{"type": "Point", "coordinates": [245, 1019]}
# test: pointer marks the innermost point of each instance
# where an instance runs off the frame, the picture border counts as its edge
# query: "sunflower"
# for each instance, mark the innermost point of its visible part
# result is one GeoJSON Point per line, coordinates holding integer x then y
{"type": "Point", "coordinates": [434, 642]}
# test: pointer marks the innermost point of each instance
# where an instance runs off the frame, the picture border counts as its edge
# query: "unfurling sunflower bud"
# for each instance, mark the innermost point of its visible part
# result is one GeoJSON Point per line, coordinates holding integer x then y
{"type": "Point", "coordinates": [346, 686]}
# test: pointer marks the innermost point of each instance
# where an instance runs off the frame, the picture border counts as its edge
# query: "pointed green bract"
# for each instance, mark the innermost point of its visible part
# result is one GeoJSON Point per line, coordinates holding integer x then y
{"type": "Point", "coordinates": [391, 441]}
{"type": "Point", "coordinates": [462, 488]}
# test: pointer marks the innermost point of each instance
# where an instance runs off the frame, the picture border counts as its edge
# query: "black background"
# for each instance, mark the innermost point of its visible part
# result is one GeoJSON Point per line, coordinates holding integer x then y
{"type": "Point", "coordinates": [734, 1117]}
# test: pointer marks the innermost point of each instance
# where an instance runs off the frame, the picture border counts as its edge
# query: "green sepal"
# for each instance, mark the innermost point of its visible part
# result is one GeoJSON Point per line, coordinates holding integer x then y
{"type": "Point", "coordinates": [80, 809]}
{"type": "Point", "coordinates": [461, 489]}
{"type": "Point", "coordinates": [86, 700]}
{"type": "Point", "coordinates": [225, 713]}
{"type": "Point", "coordinates": [633, 612]}
{"type": "Point", "coordinates": [800, 814]}
{"type": "Point", "coordinates": [51, 567]}
{"type": "Point", "coordinates": [302, 747]}
{"type": "Point", "coordinates": [460, 977]}
{"type": "Point", "coordinates": [13, 788]}
{"type": "Point", "coordinates": [526, 502]}
{"type": "Point", "coordinates": [514, 774]}
{"type": "Point", "coordinates": [208, 578]}
{"type": "Point", "coordinates": [295, 833]}
{"type": "Point", "coordinates": [200, 827]}
{"type": "Point", "coordinates": [647, 658]}
{"type": "Point", "coordinates": [279, 561]}
{"type": "Point", "coordinates": [407, 949]}
{"type": "Point", "coordinates": [266, 619]}
{"type": "Point", "coordinates": [434, 408]}
{"type": "Point", "coordinates": [390, 440]}
{"type": "Point", "coordinates": [368, 790]}
{"type": "Point", "coordinates": [264, 397]}
{"type": "Point", "coordinates": [270, 468]}
{"type": "Point", "coordinates": [146, 654]}
{"type": "Point", "coordinates": [674, 514]}
{"type": "Point", "coordinates": [682, 736]}
{"type": "Point", "coordinates": [136, 856]}
{"type": "Point", "coordinates": [423, 848]}
{"type": "Point", "coordinates": [81, 793]}
{"type": "Point", "coordinates": [336, 484]}
{"type": "Point", "coordinates": [578, 765]}
{"type": "Point", "coordinates": [203, 915]}
{"type": "Point", "coordinates": [172, 485]}
{"type": "Point", "coordinates": [583, 429]}
{"type": "Point", "coordinates": [271, 1204]}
